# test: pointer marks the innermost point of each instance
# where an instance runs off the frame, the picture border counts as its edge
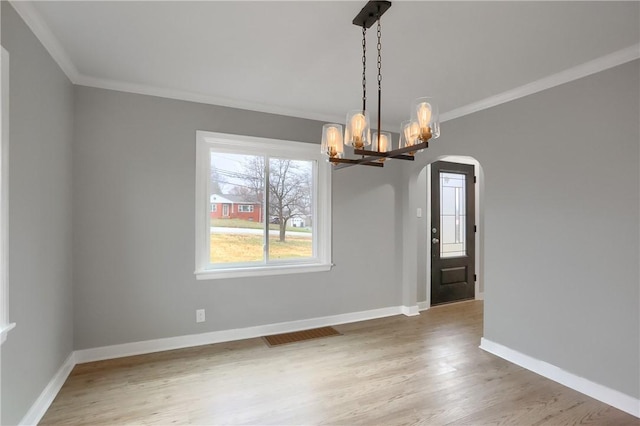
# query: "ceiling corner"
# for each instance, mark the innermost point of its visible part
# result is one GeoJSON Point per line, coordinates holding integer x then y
{"type": "Point", "coordinates": [34, 21]}
{"type": "Point", "coordinates": [614, 59]}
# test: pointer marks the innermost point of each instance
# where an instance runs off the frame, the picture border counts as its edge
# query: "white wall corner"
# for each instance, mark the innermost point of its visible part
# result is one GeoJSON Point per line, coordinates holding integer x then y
{"type": "Point", "coordinates": [597, 391]}
{"type": "Point", "coordinates": [41, 405]}
{"type": "Point", "coordinates": [38, 26]}
{"type": "Point", "coordinates": [411, 311]}
{"type": "Point", "coordinates": [423, 306]}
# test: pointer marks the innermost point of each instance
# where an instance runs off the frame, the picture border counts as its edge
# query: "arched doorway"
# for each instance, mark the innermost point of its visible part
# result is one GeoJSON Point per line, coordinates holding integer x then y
{"type": "Point", "coordinates": [422, 199]}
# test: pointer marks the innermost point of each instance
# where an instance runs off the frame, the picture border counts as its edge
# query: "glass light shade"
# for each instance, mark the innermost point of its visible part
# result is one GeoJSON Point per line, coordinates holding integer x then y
{"type": "Point", "coordinates": [332, 145]}
{"type": "Point", "coordinates": [424, 112]}
{"type": "Point", "coordinates": [382, 144]}
{"type": "Point", "coordinates": [357, 131]}
{"type": "Point", "coordinates": [409, 133]}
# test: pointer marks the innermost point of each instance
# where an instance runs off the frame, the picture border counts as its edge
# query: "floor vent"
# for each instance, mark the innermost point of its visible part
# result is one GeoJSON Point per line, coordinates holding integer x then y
{"type": "Point", "coordinates": [300, 336]}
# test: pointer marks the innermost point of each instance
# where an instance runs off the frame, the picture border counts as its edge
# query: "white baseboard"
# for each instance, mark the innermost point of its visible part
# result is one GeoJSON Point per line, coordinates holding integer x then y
{"type": "Point", "coordinates": [410, 311]}
{"type": "Point", "coordinates": [37, 410]}
{"type": "Point", "coordinates": [423, 306]}
{"type": "Point", "coordinates": [178, 342]}
{"type": "Point", "coordinates": [40, 407]}
{"type": "Point", "coordinates": [597, 391]}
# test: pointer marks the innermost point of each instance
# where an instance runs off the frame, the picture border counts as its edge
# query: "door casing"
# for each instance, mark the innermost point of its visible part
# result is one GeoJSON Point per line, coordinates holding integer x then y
{"type": "Point", "coordinates": [459, 271]}
{"type": "Point", "coordinates": [479, 218]}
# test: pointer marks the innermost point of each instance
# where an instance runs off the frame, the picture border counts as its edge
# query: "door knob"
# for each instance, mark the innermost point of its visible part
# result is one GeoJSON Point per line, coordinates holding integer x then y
{"type": "Point", "coordinates": [435, 240]}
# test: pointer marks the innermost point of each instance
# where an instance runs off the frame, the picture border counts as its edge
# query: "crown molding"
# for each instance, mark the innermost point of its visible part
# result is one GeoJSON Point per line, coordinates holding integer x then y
{"type": "Point", "coordinates": [183, 95]}
{"type": "Point", "coordinates": [592, 67]}
{"type": "Point", "coordinates": [42, 31]}
{"type": "Point", "coordinates": [34, 21]}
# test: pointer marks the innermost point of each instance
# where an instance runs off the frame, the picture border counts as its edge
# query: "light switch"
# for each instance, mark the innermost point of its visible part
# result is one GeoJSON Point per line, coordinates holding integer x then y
{"type": "Point", "coordinates": [419, 212]}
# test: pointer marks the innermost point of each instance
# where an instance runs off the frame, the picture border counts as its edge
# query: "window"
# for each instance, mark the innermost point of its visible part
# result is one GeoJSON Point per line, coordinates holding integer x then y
{"type": "Point", "coordinates": [273, 187]}
{"type": "Point", "coordinates": [214, 208]}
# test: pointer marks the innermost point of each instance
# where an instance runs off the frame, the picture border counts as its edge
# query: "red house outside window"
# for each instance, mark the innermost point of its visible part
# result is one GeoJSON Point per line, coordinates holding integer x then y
{"type": "Point", "coordinates": [228, 206]}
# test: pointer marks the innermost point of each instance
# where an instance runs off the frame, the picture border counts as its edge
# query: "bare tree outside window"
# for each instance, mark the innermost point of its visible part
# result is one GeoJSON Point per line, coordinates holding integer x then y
{"type": "Point", "coordinates": [289, 191]}
{"type": "Point", "coordinates": [290, 188]}
{"type": "Point", "coordinates": [238, 184]}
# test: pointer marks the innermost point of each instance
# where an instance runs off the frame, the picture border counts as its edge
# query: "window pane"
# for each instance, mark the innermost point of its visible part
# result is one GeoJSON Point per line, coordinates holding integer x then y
{"type": "Point", "coordinates": [452, 215]}
{"type": "Point", "coordinates": [290, 209]}
{"type": "Point", "coordinates": [236, 196]}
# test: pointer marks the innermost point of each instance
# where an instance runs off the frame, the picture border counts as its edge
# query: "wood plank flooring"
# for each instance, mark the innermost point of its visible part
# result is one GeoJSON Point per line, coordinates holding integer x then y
{"type": "Point", "coordinates": [399, 370]}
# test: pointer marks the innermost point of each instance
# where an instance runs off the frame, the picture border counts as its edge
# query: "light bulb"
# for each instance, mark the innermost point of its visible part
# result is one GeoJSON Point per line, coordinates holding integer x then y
{"type": "Point", "coordinates": [424, 114]}
{"type": "Point", "coordinates": [383, 143]}
{"type": "Point", "coordinates": [407, 133]}
{"type": "Point", "coordinates": [332, 140]}
{"type": "Point", "coordinates": [332, 137]}
{"type": "Point", "coordinates": [358, 123]}
{"type": "Point", "coordinates": [424, 119]}
{"type": "Point", "coordinates": [414, 130]}
{"type": "Point", "coordinates": [410, 132]}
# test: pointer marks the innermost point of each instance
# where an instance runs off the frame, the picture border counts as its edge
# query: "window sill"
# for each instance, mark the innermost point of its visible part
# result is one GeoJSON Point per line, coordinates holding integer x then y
{"type": "Point", "coordinates": [261, 271]}
{"type": "Point", "coordinates": [5, 330]}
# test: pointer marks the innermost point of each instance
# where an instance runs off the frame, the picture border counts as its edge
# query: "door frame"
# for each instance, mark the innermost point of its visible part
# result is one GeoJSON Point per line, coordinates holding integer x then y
{"type": "Point", "coordinates": [479, 220]}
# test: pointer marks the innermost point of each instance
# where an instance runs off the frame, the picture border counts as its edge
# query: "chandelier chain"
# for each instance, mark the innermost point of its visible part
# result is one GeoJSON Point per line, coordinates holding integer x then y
{"type": "Point", "coordinates": [379, 54]}
{"type": "Point", "coordinates": [379, 47]}
{"type": "Point", "coordinates": [364, 69]}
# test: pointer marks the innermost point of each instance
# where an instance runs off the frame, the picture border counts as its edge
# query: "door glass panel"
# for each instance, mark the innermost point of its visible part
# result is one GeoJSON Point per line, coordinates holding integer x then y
{"type": "Point", "coordinates": [452, 215]}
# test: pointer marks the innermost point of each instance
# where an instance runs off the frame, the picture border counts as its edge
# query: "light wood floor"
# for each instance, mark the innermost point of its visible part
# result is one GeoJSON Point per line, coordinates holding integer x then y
{"type": "Point", "coordinates": [398, 370]}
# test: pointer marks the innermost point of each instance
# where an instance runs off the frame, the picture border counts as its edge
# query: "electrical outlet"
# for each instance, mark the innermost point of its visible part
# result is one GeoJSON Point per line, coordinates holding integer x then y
{"type": "Point", "coordinates": [200, 315]}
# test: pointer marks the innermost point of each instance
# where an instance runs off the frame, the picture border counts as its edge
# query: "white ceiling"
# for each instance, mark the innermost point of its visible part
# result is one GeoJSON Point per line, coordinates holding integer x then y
{"type": "Point", "coordinates": [304, 58]}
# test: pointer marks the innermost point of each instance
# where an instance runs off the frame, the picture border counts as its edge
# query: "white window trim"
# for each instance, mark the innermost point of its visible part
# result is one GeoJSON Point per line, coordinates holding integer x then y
{"type": "Point", "coordinates": [5, 326]}
{"type": "Point", "coordinates": [279, 148]}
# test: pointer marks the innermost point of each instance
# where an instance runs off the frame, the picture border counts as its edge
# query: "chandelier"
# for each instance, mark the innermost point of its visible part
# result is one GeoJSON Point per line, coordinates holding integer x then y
{"type": "Point", "coordinates": [423, 123]}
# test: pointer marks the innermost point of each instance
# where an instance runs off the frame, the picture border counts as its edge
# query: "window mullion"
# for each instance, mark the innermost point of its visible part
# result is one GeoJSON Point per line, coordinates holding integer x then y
{"type": "Point", "coordinates": [266, 208]}
{"type": "Point", "coordinates": [315, 212]}
{"type": "Point", "coordinates": [208, 203]}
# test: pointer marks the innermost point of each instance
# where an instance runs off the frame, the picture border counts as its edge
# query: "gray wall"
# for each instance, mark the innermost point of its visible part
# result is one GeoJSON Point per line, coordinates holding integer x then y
{"type": "Point", "coordinates": [561, 204]}
{"type": "Point", "coordinates": [561, 227]}
{"type": "Point", "coordinates": [561, 224]}
{"type": "Point", "coordinates": [40, 280]}
{"type": "Point", "coordinates": [134, 201]}
{"type": "Point", "coordinates": [573, 285]}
